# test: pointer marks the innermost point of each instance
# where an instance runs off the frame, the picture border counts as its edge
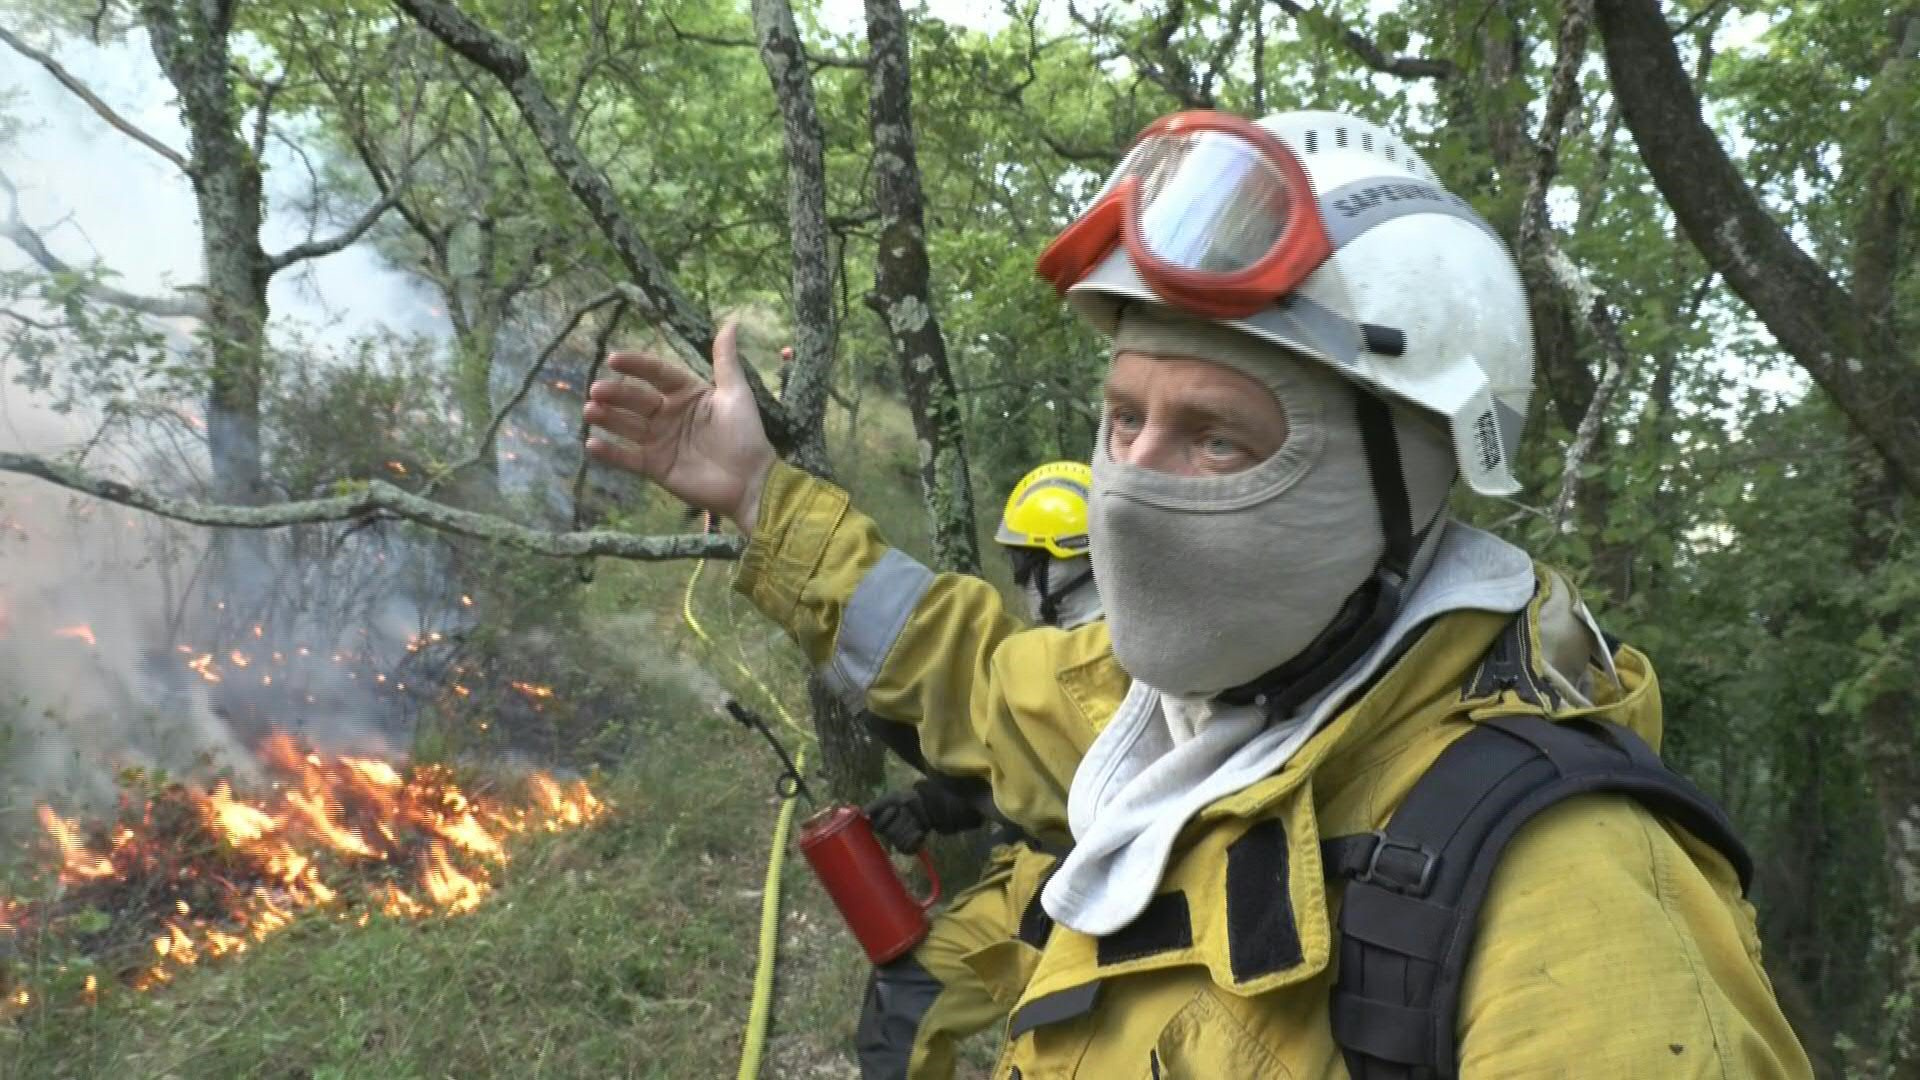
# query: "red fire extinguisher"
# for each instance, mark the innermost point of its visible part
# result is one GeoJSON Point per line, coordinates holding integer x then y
{"type": "Point", "coordinates": [840, 846]}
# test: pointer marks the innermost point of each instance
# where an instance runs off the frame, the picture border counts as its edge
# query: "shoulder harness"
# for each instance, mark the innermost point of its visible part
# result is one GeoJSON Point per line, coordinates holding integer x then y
{"type": "Point", "coordinates": [1415, 888]}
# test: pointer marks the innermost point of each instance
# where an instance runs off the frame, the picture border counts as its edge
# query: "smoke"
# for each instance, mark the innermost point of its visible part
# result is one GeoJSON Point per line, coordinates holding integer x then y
{"type": "Point", "coordinates": [98, 195]}
{"type": "Point", "coordinates": [83, 599]}
{"type": "Point", "coordinates": [99, 666]}
{"type": "Point", "coordinates": [111, 653]}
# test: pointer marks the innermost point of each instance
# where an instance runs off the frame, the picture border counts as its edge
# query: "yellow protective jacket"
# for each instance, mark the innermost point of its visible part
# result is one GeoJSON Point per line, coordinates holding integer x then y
{"type": "Point", "coordinates": [1611, 944]}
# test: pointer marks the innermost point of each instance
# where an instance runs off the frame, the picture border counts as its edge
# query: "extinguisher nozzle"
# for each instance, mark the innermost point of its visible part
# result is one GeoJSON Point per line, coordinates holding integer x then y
{"type": "Point", "coordinates": [790, 782]}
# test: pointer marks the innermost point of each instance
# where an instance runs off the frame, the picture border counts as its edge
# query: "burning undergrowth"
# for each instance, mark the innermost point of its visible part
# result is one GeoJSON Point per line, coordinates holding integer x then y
{"type": "Point", "coordinates": [184, 873]}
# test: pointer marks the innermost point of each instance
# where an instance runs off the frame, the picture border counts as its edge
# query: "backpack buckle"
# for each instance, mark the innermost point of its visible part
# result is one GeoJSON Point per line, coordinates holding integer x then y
{"type": "Point", "coordinates": [1404, 868]}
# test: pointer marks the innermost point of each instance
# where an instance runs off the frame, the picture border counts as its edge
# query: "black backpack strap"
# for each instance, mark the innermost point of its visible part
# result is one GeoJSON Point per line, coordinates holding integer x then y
{"type": "Point", "coordinates": [1414, 889]}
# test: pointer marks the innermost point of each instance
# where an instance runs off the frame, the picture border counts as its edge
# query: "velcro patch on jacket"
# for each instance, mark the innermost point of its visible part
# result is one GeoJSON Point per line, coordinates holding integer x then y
{"type": "Point", "coordinates": [1163, 926]}
{"type": "Point", "coordinates": [1272, 932]}
{"type": "Point", "coordinates": [1036, 926]}
{"type": "Point", "coordinates": [1261, 935]}
{"type": "Point", "coordinates": [1056, 1008]}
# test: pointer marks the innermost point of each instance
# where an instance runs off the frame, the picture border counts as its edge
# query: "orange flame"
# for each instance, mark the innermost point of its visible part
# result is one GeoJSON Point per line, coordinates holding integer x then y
{"type": "Point", "coordinates": [76, 862]}
{"type": "Point", "coordinates": [202, 665]}
{"type": "Point", "coordinates": [316, 840]}
{"type": "Point", "coordinates": [452, 890]}
{"type": "Point", "coordinates": [82, 632]}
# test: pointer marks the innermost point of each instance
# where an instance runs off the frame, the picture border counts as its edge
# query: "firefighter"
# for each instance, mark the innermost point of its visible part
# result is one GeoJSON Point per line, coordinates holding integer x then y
{"type": "Point", "coordinates": [1313, 343]}
{"type": "Point", "coordinates": [919, 1006]}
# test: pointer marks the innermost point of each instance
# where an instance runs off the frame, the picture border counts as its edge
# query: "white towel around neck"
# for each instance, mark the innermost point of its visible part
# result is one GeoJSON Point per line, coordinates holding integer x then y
{"type": "Point", "coordinates": [1139, 785]}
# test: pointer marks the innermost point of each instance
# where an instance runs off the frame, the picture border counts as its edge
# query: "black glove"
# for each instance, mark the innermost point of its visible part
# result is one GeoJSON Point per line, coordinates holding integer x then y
{"type": "Point", "coordinates": [899, 820]}
{"type": "Point", "coordinates": [946, 808]}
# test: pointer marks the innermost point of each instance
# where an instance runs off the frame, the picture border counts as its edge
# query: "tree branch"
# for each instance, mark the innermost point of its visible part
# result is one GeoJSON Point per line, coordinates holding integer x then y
{"type": "Point", "coordinates": [1105, 156]}
{"type": "Point", "coordinates": [33, 324]}
{"type": "Point", "coordinates": [1370, 53]}
{"type": "Point", "coordinates": [313, 249]}
{"type": "Point", "coordinates": [1616, 360]}
{"type": "Point", "coordinates": [15, 229]}
{"type": "Point", "coordinates": [660, 298]}
{"type": "Point", "coordinates": [601, 342]}
{"type": "Point", "coordinates": [1880, 231]}
{"type": "Point", "coordinates": [624, 293]}
{"type": "Point", "coordinates": [814, 59]}
{"type": "Point", "coordinates": [1562, 92]}
{"type": "Point", "coordinates": [268, 90]}
{"type": "Point", "coordinates": [100, 108]}
{"type": "Point", "coordinates": [1155, 56]}
{"type": "Point", "coordinates": [1710, 10]}
{"type": "Point", "coordinates": [1016, 97]}
{"type": "Point", "coordinates": [1852, 354]}
{"type": "Point", "coordinates": [392, 188]}
{"type": "Point", "coordinates": [381, 498]}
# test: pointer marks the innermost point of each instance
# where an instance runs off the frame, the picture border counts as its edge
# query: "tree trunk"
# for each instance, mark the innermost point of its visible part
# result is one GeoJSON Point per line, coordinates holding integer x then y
{"type": "Point", "coordinates": [812, 366]}
{"type": "Point", "coordinates": [190, 42]}
{"type": "Point", "coordinates": [1891, 716]}
{"type": "Point", "coordinates": [902, 294]}
{"type": "Point", "coordinates": [850, 758]}
{"type": "Point", "coordinates": [474, 346]}
{"type": "Point", "coordinates": [1851, 350]}
{"type": "Point", "coordinates": [1890, 725]}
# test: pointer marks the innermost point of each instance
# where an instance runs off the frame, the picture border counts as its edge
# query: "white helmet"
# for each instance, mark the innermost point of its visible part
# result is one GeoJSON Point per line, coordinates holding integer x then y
{"type": "Point", "coordinates": [1419, 301]}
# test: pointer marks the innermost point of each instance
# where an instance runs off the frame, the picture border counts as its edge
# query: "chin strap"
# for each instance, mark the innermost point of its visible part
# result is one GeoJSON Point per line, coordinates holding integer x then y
{"type": "Point", "coordinates": [1035, 564]}
{"type": "Point", "coordinates": [1050, 598]}
{"type": "Point", "coordinates": [1370, 610]}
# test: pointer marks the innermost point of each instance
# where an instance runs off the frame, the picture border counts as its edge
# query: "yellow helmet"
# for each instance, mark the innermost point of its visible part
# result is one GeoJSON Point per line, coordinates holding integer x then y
{"type": "Point", "coordinates": [1048, 510]}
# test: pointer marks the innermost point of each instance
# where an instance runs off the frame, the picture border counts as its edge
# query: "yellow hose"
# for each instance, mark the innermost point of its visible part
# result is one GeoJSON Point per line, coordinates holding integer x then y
{"type": "Point", "coordinates": [760, 1012]}
{"type": "Point", "coordinates": [686, 612]}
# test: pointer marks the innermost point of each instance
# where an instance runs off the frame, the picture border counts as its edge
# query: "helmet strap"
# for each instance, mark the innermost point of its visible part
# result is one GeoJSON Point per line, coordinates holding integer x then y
{"type": "Point", "coordinates": [1050, 598]}
{"type": "Point", "coordinates": [1049, 603]}
{"type": "Point", "coordinates": [1369, 612]}
{"type": "Point", "coordinates": [1035, 565]}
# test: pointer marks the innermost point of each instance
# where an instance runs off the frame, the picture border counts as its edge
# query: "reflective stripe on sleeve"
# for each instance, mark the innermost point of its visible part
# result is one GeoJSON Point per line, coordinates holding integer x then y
{"type": "Point", "coordinates": [872, 622]}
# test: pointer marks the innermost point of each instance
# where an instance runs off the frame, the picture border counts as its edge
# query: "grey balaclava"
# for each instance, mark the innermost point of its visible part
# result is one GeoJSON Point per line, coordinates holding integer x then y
{"type": "Point", "coordinates": [1070, 586]}
{"type": "Point", "coordinates": [1211, 582]}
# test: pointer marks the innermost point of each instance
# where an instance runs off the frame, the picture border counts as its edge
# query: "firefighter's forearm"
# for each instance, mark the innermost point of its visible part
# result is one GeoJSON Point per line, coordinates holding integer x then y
{"type": "Point", "coordinates": [858, 606]}
{"type": "Point", "coordinates": [937, 651]}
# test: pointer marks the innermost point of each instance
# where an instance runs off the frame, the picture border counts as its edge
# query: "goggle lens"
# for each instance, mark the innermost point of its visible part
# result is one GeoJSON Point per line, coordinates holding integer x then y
{"type": "Point", "coordinates": [1211, 202]}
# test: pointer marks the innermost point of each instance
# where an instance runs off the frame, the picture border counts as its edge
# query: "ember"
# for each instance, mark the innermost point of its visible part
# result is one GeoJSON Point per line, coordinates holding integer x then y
{"type": "Point", "coordinates": [199, 874]}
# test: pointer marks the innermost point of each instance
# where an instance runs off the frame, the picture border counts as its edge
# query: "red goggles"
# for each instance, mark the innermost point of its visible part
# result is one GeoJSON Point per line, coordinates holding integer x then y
{"type": "Point", "coordinates": [1216, 213]}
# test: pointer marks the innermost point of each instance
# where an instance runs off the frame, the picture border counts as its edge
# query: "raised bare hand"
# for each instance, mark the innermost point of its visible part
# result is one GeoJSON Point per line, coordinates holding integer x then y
{"type": "Point", "coordinates": [702, 442]}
